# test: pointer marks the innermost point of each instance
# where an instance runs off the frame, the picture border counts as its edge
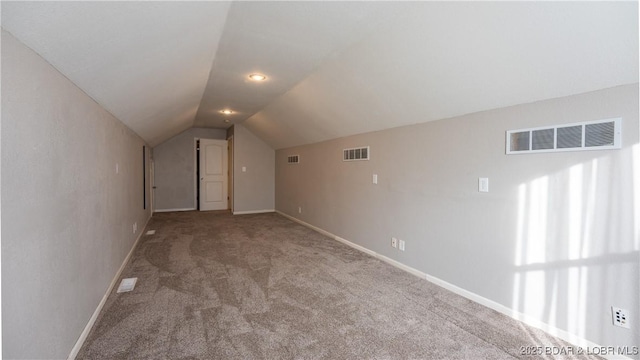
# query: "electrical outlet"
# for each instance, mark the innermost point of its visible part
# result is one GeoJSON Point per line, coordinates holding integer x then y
{"type": "Point", "coordinates": [299, 209]}
{"type": "Point", "coordinates": [401, 245]}
{"type": "Point", "coordinates": [620, 317]}
{"type": "Point", "coordinates": [394, 242]}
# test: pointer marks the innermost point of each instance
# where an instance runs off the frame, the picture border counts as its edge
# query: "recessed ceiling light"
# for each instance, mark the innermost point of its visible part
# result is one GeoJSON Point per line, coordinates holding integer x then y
{"type": "Point", "coordinates": [226, 112]}
{"type": "Point", "coordinates": [257, 77]}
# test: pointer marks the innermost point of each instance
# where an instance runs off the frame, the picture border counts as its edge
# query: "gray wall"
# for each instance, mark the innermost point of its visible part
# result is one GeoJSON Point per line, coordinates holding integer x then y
{"type": "Point", "coordinates": [554, 238]}
{"type": "Point", "coordinates": [66, 215]}
{"type": "Point", "coordinates": [174, 162]}
{"type": "Point", "coordinates": [253, 190]}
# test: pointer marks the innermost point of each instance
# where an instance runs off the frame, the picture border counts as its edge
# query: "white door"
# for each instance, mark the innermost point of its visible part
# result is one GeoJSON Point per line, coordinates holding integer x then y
{"type": "Point", "coordinates": [153, 186]}
{"type": "Point", "coordinates": [230, 147]}
{"type": "Point", "coordinates": [213, 174]}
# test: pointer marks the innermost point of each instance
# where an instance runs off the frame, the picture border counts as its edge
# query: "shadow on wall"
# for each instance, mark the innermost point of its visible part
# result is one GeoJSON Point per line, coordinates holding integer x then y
{"type": "Point", "coordinates": [556, 273]}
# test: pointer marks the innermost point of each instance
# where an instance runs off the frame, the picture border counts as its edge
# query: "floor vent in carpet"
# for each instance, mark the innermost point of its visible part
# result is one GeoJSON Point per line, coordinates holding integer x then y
{"type": "Point", "coordinates": [127, 284]}
{"type": "Point", "coordinates": [151, 232]}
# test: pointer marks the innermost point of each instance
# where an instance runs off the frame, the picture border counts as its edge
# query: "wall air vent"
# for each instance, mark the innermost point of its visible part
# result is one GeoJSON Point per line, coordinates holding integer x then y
{"type": "Point", "coordinates": [589, 135]}
{"type": "Point", "coordinates": [293, 159]}
{"type": "Point", "coordinates": [353, 154]}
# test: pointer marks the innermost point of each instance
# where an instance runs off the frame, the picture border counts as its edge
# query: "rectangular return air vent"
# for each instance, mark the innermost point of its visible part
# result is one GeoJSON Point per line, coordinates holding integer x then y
{"type": "Point", "coordinates": [353, 154]}
{"type": "Point", "coordinates": [589, 135]}
{"type": "Point", "coordinates": [293, 159]}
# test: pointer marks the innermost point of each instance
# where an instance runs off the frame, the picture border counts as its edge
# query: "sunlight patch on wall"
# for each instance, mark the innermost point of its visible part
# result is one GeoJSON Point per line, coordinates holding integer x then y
{"type": "Point", "coordinates": [575, 227]}
{"type": "Point", "coordinates": [575, 211]}
{"type": "Point", "coordinates": [522, 202]}
{"type": "Point", "coordinates": [577, 300]}
{"type": "Point", "coordinates": [535, 246]}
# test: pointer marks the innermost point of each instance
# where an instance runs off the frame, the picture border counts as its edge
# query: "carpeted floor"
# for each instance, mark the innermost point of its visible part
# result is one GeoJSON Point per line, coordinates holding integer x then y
{"type": "Point", "coordinates": [216, 286]}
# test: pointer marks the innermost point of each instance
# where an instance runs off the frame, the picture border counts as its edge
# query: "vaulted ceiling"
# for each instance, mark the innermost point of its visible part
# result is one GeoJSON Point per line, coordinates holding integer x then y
{"type": "Point", "coordinates": [333, 68]}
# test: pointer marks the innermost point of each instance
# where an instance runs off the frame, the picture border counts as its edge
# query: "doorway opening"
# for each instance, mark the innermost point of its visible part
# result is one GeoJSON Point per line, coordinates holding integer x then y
{"type": "Point", "coordinates": [230, 149]}
{"type": "Point", "coordinates": [197, 174]}
{"type": "Point", "coordinates": [211, 170]}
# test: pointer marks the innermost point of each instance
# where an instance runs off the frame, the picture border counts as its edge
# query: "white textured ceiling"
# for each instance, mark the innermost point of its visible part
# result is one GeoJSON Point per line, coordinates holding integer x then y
{"type": "Point", "coordinates": [442, 60]}
{"type": "Point", "coordinates": [145, 62]}
{"type": "Point", "coordinates": [334, 68]}
{"type": "Point", "coordinates": [287, 41]}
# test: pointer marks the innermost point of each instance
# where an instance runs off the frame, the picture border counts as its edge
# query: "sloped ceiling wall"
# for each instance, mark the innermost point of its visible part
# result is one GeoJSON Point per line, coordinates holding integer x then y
{"type": "Point", "coordinates": [334, 68]}
{"type": "Point", "coordinates": [287, 41]}
{"type": "Point", "coordinates": [442, 60]}
{"type": "Point", "coordinates": [145, 62]}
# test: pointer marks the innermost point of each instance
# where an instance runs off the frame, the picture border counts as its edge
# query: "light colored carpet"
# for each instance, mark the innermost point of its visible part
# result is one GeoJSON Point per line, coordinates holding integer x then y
{"type": "Point", "coordinates": [216, 286]}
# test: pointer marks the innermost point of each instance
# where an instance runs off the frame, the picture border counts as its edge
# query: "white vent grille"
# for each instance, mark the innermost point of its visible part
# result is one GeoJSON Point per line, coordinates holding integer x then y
{"type": "Point", "coordinates": [293, 159]}
{"type": "Point", "coordinates": [127, 285]}
{"type": "Point", "coordinates": [353, 154]}
{"type": "Point", "coordinates": [590, 135]}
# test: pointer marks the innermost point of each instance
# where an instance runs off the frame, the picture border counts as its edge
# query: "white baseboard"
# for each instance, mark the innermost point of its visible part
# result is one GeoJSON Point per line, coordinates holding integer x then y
{"type": "Point", "coordinates": [253, 212]}
{"type": "Point", "coordinates": [173, 210]}
{"type": "Point", "coordinates": [87, 329]}
{"type": "Point", "coordinates": [552, 330]}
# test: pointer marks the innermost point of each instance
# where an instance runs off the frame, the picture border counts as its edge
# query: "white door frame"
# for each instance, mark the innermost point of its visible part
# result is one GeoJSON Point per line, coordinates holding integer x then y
{"type": "Point", "coordinates": [224, 203]}
{"type": "Point", "coordinates": [230, 142]}
{"type": "Point", "coordinates": [152, 180]}
{"type": "Point", "coordinates": [195, 173]}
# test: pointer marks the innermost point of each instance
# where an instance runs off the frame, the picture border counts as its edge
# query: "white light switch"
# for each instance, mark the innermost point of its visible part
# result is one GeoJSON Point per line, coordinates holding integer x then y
{"type": "Point", "coordinates": [244, 169]}
{"type": "Point", "coordinates": [483, 184]}
{"type": "Point", "coordinates": [375, 178]}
